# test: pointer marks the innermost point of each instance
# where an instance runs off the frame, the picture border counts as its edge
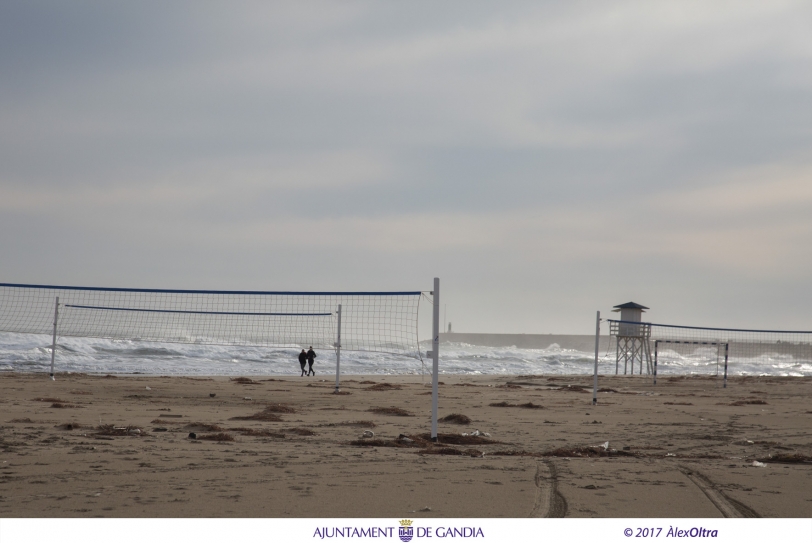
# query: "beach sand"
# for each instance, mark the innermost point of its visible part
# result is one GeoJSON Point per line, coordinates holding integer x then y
{"type": "Point", "coordinates": [96, 446]}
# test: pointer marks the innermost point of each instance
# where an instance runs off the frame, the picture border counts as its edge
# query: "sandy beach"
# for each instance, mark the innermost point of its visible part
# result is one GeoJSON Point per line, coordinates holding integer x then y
{"type": "Point", "coordinates": [96, 446]}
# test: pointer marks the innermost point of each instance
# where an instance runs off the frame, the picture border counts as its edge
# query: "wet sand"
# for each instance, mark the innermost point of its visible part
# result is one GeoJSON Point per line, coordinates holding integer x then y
{"type": "Point", "coordinates": [88, 446]}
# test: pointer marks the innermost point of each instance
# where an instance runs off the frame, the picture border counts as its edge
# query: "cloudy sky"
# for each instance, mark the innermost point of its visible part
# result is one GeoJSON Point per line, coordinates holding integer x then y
{"type": "Point", "coordinates": [544, 159]}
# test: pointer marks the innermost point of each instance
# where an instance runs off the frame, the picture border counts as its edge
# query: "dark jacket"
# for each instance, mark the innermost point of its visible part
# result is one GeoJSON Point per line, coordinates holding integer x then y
{"type": "Point", "coordinates": [311, 355]}
{"type": "Point", "coordinates": [302, 357]}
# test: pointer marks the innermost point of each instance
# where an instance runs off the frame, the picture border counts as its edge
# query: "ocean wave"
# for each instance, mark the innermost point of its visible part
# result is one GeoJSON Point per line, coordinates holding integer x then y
{"type": "Point", "coordinates": [32, 353]}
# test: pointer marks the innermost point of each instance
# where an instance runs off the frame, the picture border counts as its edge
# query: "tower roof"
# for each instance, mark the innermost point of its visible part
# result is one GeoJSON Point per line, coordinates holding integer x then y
{"type": "Point", "coordinates": [629, 305]}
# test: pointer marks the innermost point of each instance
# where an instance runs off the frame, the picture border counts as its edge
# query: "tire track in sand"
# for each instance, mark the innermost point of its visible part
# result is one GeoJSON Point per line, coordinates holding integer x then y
{"type": "Point", "coordinates": [726, 505]}
{"type": "Point", "coordinates": [549, 502]}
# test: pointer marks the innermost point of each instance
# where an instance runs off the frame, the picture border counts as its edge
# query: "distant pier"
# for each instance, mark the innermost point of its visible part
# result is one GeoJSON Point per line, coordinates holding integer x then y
{"type": "Point", "coordinates": [585, 343]}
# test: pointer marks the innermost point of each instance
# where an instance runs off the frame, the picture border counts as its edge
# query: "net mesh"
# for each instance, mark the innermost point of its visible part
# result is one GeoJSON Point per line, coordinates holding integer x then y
{"type": "Point", "coordinates": [691, 350]}
{"type": "Point", "coordinates": [370, 321]}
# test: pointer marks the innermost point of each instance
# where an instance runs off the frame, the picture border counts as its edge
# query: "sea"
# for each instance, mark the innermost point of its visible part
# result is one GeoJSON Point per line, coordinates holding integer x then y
{"type": "Point", "coordinates": [32, 353]}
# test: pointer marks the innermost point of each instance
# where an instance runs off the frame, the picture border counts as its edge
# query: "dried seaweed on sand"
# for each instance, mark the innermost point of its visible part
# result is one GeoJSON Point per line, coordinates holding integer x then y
{"type": "Point", "coordinates": [384, 386]}
{"type": "Point", "coordinates": [514, 452]}
{"type": "Point", "coordinates": [456, 418]}
{"type": "Point", "coordinates": [256, 432]}
{"type": "Point", "coordinates": [748, 402]}
{"type": "Point", "coordinates": [278, 408]}
{"type": "Point", "coordinates": [356, 423]}
{"type": "Point", "coordinates": [376, 443]}
{"type": "Point", "coordinates": [590, 452]}
{"type": "Point", "coordinates": [528, 405]}
{"type": "Point", "coordinates": [574, 388]}
{"type": "Point", "coordinates": [787, 458]}
{"type": "Point", "coordinates": [453, 452]}
{"type": "Point", "coordinates": [401, 441]}
{"type": "Point", "coordinates": [397, 411]}
{"type": "Point", "coordinates": [244, 381]}
{"type": "Point", "coordinates": [71, 426]}
{"type": "Point", "coordinates": [299, 431]}
{"type": "Point", "coordinates": [265, 415]}
{"type": "Point", "coordinates": [220, 436]}
{"type": "Point", "coordinates": [110, 430]}
{"type": "Point", "coordinates": [459, 439]}
{"type": "Point", "coordinates": [202, 427]}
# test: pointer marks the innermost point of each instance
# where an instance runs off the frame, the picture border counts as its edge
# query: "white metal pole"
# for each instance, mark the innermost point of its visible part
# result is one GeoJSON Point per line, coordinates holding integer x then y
{"type": "Point", "coordinates": [597, 348]}
{"type": "Point", "coordinates": [435, 357]}
{"type": "Point", "coordinates": [338, 351]}
{"type": "Point", "coordinates": [53, 344]}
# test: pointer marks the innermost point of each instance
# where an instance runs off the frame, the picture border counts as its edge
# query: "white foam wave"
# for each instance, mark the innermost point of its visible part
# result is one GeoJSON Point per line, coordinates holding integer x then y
{"type": "Point", "coordinates": [32, 353]}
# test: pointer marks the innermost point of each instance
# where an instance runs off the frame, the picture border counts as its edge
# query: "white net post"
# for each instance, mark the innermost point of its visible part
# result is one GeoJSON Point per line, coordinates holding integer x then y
{"type": "Point", "coordinates": [53, 344]}
{"type": "Point", "coordinates": [338, 350]}
{"type": "Point", "coordinates": [597, 348]}
{"type": "Point", "coordinates": [435, 357]}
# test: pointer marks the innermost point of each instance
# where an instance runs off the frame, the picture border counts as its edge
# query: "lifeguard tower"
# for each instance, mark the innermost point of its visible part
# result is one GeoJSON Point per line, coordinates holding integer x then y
{"type": "Point", "coordinates": [632, 337]}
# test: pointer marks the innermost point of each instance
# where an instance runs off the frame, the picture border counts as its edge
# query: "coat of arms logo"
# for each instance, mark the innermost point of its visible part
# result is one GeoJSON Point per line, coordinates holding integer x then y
{"type": "Point", "coordinates": [405, 532]}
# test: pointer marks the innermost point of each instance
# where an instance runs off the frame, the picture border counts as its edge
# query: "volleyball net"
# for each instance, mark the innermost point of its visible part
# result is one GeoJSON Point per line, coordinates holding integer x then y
{"type": "Point", "coordinates": [693, 350]}
{"type": "Point", "coordinates": [370, 321]}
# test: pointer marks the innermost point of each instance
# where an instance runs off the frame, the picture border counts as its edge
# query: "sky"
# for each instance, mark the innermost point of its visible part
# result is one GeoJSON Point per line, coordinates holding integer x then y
{"type": "Point", "coordinates": [545, 160]}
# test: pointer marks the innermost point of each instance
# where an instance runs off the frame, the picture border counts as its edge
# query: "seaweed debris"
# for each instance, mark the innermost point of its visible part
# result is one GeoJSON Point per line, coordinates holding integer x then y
{"type": "Point", "coordinates": [528, 405]}
{"type": "Point", "coordinates": [787, 458]}
{"type": "Point", "coordinates": [110, 430]}
{"type": "Point", "coordinates": [452, 452]}
{"type": "Point", "coordinates": [397, 411]}
{"type": "Point", "coordinates": [456, 418]}
{"type": "Point", "coordinates": [384, 386]}
{"type": "Point", "coordinates": [219, 436]}
{"type": "Point", "coordinates": [244, 381]}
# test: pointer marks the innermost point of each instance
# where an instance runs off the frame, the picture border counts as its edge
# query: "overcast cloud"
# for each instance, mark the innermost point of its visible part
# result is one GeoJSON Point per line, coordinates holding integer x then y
{"type": "Point", "coordinates": [544, 159]}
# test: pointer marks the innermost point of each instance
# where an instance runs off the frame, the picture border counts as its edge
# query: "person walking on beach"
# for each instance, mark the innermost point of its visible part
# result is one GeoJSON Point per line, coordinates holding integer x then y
{"type": "Point", "coordinates": [303, 361]}
{"type": "Point", "coordinates": [311, 355]}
